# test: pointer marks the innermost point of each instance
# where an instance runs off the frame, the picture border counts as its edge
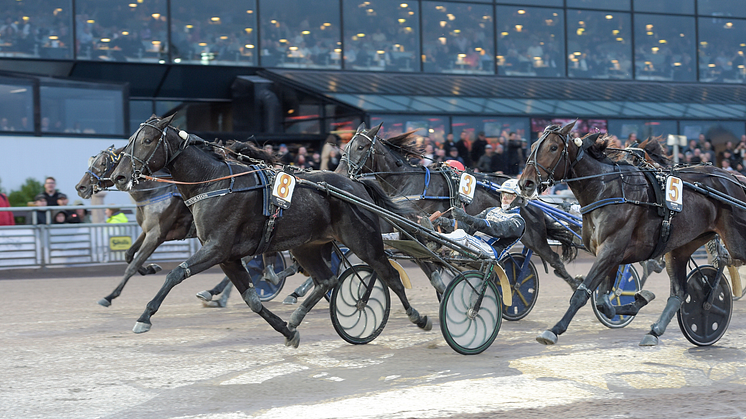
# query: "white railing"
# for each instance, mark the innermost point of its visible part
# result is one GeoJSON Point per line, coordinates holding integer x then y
{"type": "Point", "coordinates": [47, 245]}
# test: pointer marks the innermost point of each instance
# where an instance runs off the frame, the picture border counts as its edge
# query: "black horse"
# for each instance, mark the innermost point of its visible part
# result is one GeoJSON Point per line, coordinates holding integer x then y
{"type": "Point", "coordinates": [228, 202]}
{"type": "Point", "coordinates": [431, 191]}
{"type": "Point", "coordinates": [161, 214]}
{"type": "Point", "coordinates": [622, 223]}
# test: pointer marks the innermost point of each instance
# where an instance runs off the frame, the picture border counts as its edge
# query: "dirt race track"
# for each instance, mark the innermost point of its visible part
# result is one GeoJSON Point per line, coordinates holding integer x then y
{"type": "Point", "coordinates": [64, 356]}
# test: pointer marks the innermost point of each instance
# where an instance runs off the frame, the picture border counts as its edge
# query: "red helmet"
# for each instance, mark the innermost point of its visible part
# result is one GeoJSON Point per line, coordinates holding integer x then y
{"type": "Point", "coordinates": [455, 164]}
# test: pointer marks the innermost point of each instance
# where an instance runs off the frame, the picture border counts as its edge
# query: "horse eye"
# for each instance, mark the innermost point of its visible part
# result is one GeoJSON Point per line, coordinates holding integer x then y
{"type": "Point", "coordinates": [360, 147]}
{"type": "Point", "coordinates": [553, 148]}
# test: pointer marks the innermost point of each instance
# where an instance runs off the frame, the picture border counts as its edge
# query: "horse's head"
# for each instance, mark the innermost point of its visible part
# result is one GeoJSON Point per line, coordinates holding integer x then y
{"type": "Point", "coordinates": [151, 148]}
{"type": "Point", "coordinates": [100, 167]}
{"type": "Point", "coordinates": [550, 159]}
{"type": "Point", "coordinates": [358, 154]}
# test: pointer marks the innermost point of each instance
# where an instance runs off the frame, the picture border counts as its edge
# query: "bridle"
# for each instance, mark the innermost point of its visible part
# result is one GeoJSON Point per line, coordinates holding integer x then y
{"type": "Point", "coordinates": [145, 164]}
{"type": "Point", "coordinates": [532, 159]}
{"type": "Point", "coordinates": [111, 159]}
{"type": "Point", "coordinates": [355, 168]}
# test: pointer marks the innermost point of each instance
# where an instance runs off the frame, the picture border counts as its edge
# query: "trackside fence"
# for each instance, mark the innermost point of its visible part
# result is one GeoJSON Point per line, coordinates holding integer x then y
{"type": "Point", "coordinates": [83, 244]}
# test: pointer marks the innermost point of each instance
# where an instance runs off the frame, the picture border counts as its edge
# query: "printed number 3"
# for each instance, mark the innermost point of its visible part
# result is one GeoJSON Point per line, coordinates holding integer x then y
{"type": "Point", "coordinates": [466, 190]}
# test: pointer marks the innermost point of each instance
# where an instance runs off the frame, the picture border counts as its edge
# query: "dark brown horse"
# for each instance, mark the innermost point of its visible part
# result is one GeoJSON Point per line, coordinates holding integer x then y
{"type": "Point", "coordinates": [430, 191]}
{"type": "Point", "coordinates": [228, 204]}
{"type": "Point", "coordinates": [621, 221]}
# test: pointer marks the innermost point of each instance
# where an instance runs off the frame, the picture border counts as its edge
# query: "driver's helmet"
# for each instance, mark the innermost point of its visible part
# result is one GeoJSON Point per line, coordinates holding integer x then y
{"type": "Point", "coordinates": [456, 164]}
{"type": "Point", "coordinates": [510, 186]}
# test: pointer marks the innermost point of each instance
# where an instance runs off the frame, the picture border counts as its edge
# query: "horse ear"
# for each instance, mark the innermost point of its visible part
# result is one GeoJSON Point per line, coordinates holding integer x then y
{"type": "Point", "coordinates": [374, 130]}
{"type": "Point", "coordinates": [361, 128]}
{"type": "Point", "coordinates": [567, 128]}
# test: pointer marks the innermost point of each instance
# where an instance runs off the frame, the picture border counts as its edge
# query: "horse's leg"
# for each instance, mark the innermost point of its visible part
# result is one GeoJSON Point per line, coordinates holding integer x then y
{"type": "Point", "coordinates": [604, 267]}
{"type": "Point", "coordinates": [150, 243]}
{"type": "Point", "coordinates": [238, 275]}
{"type": "Point", "coordinates": [299, 292]}
{"type": "Point", "coordinates": [269, 274]}
{"type": "Point", "coordinates": [313, 261]}
{"type": "Point", "coordinates": [676, 262]}
{"type": "Point", "coordinates": [206, 257]}
{"type": "Point", "coordinates": [129, 254]}
{"type": "Point", "coordinates": [207, 295]}
{"type": "Point", "coordinates": [390, 276]}
{"type": "Point", "coordinates": [536, 240]}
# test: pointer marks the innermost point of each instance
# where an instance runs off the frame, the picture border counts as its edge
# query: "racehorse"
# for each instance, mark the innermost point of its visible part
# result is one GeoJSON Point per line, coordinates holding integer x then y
{"type": "Point", "coordinates": [621, 221]}
{"type": "Point", "coordinates": [431, 191]}
{"type": "Point", "coordinates": [161, 214]}
{"type": "Point", "coordinates": [228, 204]}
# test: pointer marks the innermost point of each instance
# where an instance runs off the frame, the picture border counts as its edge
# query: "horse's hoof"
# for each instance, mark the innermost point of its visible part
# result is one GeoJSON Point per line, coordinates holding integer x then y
{"type": "Point", "coordinates": [141, 327]}
{"type": "Point", "coordinates": [211, 304]}
{"type": "Point", "coordinates": [290, 300]}
{"type": "Point", "coordinates": [645, 295]}
{"type": "Point", "coordinates": [649, 340]}
{"type": "Point", "coordinates": [428, 326]}
{"type": "Point", "coordinates": [154, 268]}
{"type": "Point", "coordinates": [294, 341]}
{"type": "Point", "coordinates": [547, 338]}
{"type": "Point", "coordinates": [204, 295]}
{"type": "Point", "coordinates": [104, 302]}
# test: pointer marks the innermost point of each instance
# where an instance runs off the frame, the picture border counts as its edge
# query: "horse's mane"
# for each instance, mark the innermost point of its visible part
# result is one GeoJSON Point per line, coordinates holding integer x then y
{"type": "Point", "coordinates": [248, 152]}
{"type": "Point", "coordinates": [404, 144]}
{"type": "Point", "coordinates": [655, 151]}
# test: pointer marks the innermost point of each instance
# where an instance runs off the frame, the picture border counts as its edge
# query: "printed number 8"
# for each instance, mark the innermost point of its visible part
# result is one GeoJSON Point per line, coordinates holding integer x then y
{"type": "Point", "coordinates": [283, 190]}
{"type": "Point", "coordinates": [466, 190]}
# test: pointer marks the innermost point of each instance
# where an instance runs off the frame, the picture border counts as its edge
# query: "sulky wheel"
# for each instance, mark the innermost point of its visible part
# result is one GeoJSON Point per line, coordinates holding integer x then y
{"type": "Point", "coordinates": [524, 284]}
{"type": "Point", "coordinates": [626, 285]}
{"type": "Point", "coordinates": [469, 323]}
{"type": "Point", "coordinates": [265, 289]}
{"type": "Point", "coordinates": [360, 305]}
{"type": "Point", "coordinates": [700, 324]}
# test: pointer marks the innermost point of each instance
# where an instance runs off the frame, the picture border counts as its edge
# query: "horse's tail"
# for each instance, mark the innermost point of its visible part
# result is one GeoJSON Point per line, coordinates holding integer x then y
{"type": "Point", "coordinates": [384, 201]}
{"type": "Point", "coordinates": [557, 231]}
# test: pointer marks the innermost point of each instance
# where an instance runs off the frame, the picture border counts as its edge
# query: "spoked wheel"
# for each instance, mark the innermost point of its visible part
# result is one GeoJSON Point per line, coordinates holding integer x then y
{"type": "Point", "coordinates": [626, 285]}
{"type": "Point", "coordinates": [266, 290]}
{"type": "Point", "coordinates": [470, 313]}
{"type": "Point", "coordinates": [339, 265]}
{"type": "Point", "coordinates": [524, 285]}
{"type": "Point", "coordinates": [701, 324]}
{"type": "Point", "coordinates": [360, 305]}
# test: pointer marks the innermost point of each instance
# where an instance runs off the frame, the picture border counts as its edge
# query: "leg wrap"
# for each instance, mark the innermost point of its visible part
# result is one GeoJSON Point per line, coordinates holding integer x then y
{"type": "Point", "coordinates": [297, 316]}
{"type": "Point", "coordinates": [252, 300]}
{"type": "Point", "coordinates": [580, 296]}
{"type": "Point", "coordinates": [413, 315]}
{"type": "Point", "coordinates": [672, 306]}
{"type": "Point", "coordinates": [185, 267]}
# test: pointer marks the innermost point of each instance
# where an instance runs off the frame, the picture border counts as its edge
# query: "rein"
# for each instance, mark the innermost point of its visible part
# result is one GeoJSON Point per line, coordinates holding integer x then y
{"type": "Point", "coordinates": [176, 182]}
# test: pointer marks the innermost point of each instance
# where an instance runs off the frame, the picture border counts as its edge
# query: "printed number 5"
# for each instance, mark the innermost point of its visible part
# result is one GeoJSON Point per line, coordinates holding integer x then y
{"type": "Point", "coordinates": [673, 191]}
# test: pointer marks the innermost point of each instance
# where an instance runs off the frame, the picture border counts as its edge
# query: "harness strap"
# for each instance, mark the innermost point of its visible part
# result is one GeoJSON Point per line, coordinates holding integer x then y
{"type": "Point", "coordinates": [158, 198]}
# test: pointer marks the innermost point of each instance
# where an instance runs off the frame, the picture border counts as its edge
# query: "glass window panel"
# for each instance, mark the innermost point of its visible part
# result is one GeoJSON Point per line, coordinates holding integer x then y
{"type": "Point", "coordinates": [37, 29]}
{"type": "Point", "coordinates": [382, 36]}
{"type": "Point", "coordinates": [582, 126]}
{"type": "Point", "coordinates": [458, 38]}
{"type": "Point", "coordinates": [494, 127]}
{"type": "Point", "coordinates": [82, 110]}
{"type": "Point", "coordinates": [121, 30]}
{"type": "Point", "coordinates": [600, 4]}
{"type": "Point", "coordinates": [722, 43]}
{"type": "Point", "coordinates": [599, 45]}
{"type": "Point", "coordinates": [198, 116]}
{"type": "Point", "coordinates": [721, 8]}
{"type": "Point", "coordinates": [432, 127]}
{"type": "Point", "coordinates": [665, 6]}
{"type": "Point", "coordinates": [221, 33]}
{"type": "Point", "coordinates": [665, 48]}
{"type": "Point", "coordinates": [140, 111]}
{"type": "Point", "coordinates": [530, 41]}
{"type": "Point", "coordinates": [557, 3]}
{"type": "Point", "coordinates": [719, 133]}
{"type": "Point", "coordinates": [642, 128]}
{"type": "Point", "coordinates": [300, 34]}
{"type": "Point", "coordinates": [16, 106]}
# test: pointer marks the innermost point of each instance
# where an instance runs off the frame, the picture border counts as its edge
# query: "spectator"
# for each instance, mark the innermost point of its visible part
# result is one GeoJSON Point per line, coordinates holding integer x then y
{"type": "Point", "coordinates": [514, 154]}
{"type": "Point", "coordinates": [449, 143]}
{"type": "Point", "coordinates": [6, 217]}
{"type": "Point", "coordinates": [632, 139]}
{"type": "Point", "coordinates": [79, 215]}
{"type": "Point", "coordinates": [725, 164]}
{"type": "Point", "coordinates": [453, 154]}
{"type": "Point", "coordinates": [315, 162]}
{"type": "Point", "coordinates": [115, 215]}
{"type": "Point", "coordinates": [284, 155]}
{"type": "Point", "coordinates": [333, 159]}
{"type": "Point", "coordinates": [499, 164]}
{"type": "Point", "coordinates": [302, 159]}
{"type": "Point", "coordinates": [429, 156]}
{"type": "Point", "coordinates": [464, 145]}
{"type": "Point", "coordinates": [477, 147]}
{"type": "Point", "coordinates": [485, 161]}
{"type": "Point", "coordinates": [52, 195]}
{"type": "Point", "coordinates": [332, 142]}
{"type": "Point", "coordinates": [59, 218]}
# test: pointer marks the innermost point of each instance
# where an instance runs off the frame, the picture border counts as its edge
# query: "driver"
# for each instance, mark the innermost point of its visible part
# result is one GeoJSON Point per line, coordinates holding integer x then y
{"type": "Point", "coordinates": [503, 223]}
